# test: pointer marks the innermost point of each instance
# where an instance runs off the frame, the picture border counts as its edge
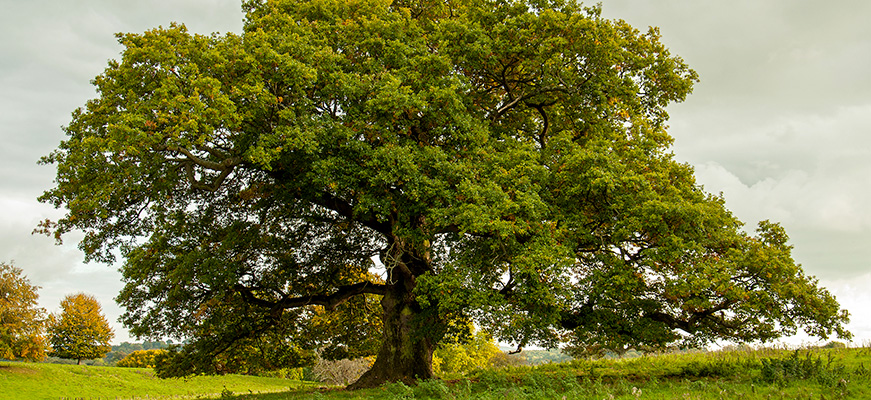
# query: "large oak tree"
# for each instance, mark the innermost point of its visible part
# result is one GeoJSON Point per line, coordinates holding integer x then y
{"type": "Point", "coordinates": [507, 162]}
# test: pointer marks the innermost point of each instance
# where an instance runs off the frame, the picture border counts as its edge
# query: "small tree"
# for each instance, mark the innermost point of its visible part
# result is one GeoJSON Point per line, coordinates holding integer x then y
{"type": "Point", "coordinates": [21, 322]}
{"type": "Point", "coordinates": [80, 331]}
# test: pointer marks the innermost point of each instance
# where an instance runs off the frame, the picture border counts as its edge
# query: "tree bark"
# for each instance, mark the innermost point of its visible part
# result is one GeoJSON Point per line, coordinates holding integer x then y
{"type": "Point", "coordinates": [407, 343]}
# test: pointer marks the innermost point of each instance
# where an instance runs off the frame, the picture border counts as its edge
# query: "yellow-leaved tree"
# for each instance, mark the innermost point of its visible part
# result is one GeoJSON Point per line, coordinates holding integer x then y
{"type": "Point", "coordinates": [80, 331]}
{"type": "Point", "coordinates": [21, 322]}
{"type": "Point", "coordinates": [141, 358]}
{"type": "Point", "coordinates": [464, 356]}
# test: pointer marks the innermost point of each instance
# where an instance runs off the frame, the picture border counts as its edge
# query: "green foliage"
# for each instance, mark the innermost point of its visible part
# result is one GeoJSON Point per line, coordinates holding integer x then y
{"type": "Point", "coordinates": [399, 391]}
{"type": "Point", "coordinates": [783, 371]}
{"type": "Point", "coordinates": [432, 389]}
{"type": "Point", "coordinates": [80, 331]}
{"type": "Point", "coordinates": [22, 329]}
{"type": "Point", "coordinates": [507, 163]}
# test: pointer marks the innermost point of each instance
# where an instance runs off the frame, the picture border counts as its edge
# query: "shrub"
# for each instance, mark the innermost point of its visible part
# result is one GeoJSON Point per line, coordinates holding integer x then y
{"type": "Point", "coordinates": [783, 371]}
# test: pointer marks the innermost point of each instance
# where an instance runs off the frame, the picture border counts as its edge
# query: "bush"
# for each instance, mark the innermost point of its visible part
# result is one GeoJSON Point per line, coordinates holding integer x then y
{"type": "Point", "coordinates": [783, 371]}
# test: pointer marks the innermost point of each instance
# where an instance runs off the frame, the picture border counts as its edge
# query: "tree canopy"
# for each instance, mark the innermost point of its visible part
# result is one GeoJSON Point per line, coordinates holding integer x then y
{"type": "Point", "coordinates": [504, 162]}
{"type": "Point", "coordinates": [80, 331]}
{"type": "Point", "coordinates": [22, 324]}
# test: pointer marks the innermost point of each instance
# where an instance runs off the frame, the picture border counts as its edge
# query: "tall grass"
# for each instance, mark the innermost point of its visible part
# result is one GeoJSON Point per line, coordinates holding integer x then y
{"type": "Point", "coordinates": [839, 374]}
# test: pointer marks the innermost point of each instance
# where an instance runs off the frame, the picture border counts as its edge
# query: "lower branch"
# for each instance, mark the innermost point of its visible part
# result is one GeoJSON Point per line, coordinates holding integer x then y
{"type": "Point", "coordinates": [328, 301]}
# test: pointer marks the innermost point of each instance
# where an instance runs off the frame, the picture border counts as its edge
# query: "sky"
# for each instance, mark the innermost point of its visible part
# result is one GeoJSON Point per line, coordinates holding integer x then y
{"type": "Point", "coordinates": [780, 122]}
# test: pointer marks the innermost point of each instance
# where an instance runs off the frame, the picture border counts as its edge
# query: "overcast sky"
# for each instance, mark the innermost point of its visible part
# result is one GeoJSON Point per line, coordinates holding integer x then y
{"type": "Point", "coordinates": [779, 123]}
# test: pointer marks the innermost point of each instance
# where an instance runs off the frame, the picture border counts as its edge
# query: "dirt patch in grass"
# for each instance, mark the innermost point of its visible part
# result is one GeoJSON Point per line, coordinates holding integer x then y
{"type": "Point", "coordinates": [14, 369]}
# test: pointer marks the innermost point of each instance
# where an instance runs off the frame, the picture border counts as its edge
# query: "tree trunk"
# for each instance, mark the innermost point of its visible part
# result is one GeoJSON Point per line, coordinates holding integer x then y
{"type": "Point", "coordinates": [407, 343]}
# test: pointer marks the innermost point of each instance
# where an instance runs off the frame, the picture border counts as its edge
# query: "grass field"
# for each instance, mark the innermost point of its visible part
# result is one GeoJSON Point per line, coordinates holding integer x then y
{"type": "Point", "coordinates": [37, 381]}
{"type": "Point", "coordinates": [762, 374]}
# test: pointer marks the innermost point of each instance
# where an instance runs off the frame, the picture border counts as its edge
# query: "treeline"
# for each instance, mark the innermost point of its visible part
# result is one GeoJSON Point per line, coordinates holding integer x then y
{"type": "Point", "coordinates": [118, 353]}
{"type": "Point", "coordinates": [126, 348]}
{"type": "Point", "coordinates": [538, 357]}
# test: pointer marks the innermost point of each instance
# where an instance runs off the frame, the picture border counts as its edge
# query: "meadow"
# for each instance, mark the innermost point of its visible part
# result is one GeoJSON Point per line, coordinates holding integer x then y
{"type": "Point", "coordinates": [752, 374]}
{"type": "Point", "coordinates": [37, 381]}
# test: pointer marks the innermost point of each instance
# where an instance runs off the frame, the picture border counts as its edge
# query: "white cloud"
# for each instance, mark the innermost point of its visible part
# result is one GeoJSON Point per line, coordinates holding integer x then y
{"type": "Point", "coordinates": [854, 296]}
{"type": "Point", "coordinates": [50, 54]}
{"type": "Point", "coordinates": [807, 170]}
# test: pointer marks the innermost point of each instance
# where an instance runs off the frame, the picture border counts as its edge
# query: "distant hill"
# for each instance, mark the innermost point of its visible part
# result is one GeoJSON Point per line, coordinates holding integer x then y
{"type": "Point", "coordinates": [538, 357]}
{"type": "Point", "coordinates": [122, 350]}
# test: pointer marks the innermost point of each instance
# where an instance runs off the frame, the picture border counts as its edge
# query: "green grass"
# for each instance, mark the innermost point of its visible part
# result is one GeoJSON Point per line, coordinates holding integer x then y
{"type": "Point", "coordinates": [825, 374]}
{"type": "Point", "coordinates": [763, 374]}
{"type": "Point", "coordinates": [35, 381]}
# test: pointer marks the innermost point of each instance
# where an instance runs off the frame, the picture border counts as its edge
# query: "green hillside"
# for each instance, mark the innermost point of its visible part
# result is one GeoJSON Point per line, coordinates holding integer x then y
{"type": "Point", "coordinates": [36, 381]}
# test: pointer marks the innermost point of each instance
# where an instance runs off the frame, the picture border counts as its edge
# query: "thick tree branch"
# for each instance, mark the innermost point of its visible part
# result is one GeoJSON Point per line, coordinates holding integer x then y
{"type": "Point", "coordinates": [226, 163]}
{"type": "Point", "coordinates": [572, 319]}
{"type": "Point", "coordinates": [198, 184]}
{"type": "Point", "coordinates": [542, 136]}
{"type": "Point", "coordinates": [329, 301]}
{"type": "Point", "coordinates": [224, 167]}
{"type": "Point", "coordinates": [346, 210]}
